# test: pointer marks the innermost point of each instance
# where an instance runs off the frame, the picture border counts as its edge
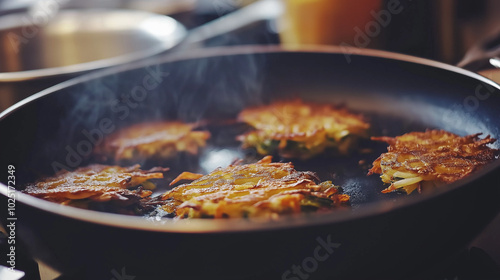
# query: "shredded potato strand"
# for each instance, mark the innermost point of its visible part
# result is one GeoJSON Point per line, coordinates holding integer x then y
{"type": "Point", "coordinates": [299, 129]}
{"type": "Point", "coordinates": [153, 140]}
{"type": "Point", "coordinates": [95, 182]}
{"type": "Point", "coordinates": [430, 156]}
{"type": "Point", "coordinates": [262, 189]}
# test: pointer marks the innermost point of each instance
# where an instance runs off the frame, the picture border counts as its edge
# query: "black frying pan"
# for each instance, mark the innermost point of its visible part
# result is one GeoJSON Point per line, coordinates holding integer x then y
{"type": "Point", "coordinates": [380, 237]}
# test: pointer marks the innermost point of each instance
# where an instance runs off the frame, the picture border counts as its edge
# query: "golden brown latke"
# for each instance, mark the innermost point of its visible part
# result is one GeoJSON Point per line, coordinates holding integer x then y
{"type": "Point", "coordinates": [262, 189]}
{"type": "Point", "coordinates": [100, 183]}
{"type": "Point", "coordinates": [296, 129]}
{"type": "Point", "coordinates": [154, 140]}
{"type": "Point", "coordinates": [430, 158]}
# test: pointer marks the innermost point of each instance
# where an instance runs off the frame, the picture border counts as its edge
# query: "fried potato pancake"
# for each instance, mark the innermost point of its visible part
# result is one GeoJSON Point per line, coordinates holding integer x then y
{"type": "Point", "coordinates": [154, 140]}
{"type": "Point", "coordinates": [262, 189]}
{"type": "Point", "coordinates": [430, 158]}
{"type": "Point", "coordinates": [95, 182]}
{"type": "Point", "coordinates": [296, 129]}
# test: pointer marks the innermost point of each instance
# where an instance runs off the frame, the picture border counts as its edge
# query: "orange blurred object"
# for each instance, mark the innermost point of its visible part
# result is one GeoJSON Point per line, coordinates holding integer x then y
{"type": "Point", "coordinates": [331, 22]}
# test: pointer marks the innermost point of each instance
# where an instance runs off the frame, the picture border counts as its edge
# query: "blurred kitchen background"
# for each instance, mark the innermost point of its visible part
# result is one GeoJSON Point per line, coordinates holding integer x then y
{"type": "Point", "coordinates": [442, 30]}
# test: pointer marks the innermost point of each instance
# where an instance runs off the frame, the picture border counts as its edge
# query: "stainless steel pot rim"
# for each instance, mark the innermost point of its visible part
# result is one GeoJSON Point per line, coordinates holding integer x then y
{"type": "Point", "coordinates": [16, 20]}
{"type": "Point", "coordinates": [238, 225]}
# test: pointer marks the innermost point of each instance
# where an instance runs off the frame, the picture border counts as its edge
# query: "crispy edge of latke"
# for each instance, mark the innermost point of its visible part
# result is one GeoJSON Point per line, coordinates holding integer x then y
{"type": "Point", "coordinates": [299, 137]}
{"type": "Point", "coordinates": [67, 193]}
{"type": "Point", "coordinates": [482, 155]}
{"type": "Point", "coordinates": [111, 149]}
{"type": "Point", "coordinates": [301, 177]}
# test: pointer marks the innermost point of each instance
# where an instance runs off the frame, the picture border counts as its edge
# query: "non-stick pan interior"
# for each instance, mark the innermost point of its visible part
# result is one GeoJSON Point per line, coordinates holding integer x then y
{"type": "Point", "coordinates": [60, 129]}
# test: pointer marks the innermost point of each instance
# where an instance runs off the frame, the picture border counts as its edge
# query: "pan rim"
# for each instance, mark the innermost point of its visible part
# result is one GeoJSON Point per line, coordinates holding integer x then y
{"type": "Point", "coordinates": [239, 225]}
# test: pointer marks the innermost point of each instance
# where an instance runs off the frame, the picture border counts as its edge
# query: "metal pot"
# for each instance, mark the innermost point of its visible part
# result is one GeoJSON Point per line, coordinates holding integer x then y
{"type": "Point", "coordinates": [45, 46]}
